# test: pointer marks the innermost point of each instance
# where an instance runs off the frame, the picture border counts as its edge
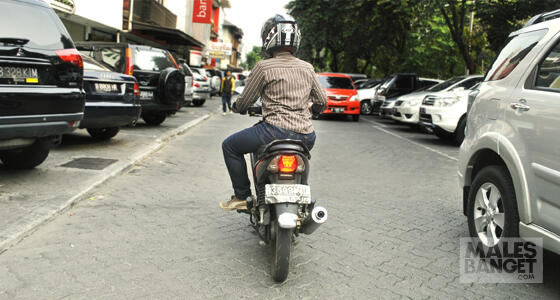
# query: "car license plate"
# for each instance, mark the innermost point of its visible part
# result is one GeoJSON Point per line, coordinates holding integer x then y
{"type": "Point", "coordinates": [30, 75]}
{"type": "Point", "coordinates": [287, 193]}
{"type": "Point", "coordinates": [106, 88]}
{"type": "Point", "coordinates": [146, 95]}
{"type": "Point", "coordinates": [337, 110]}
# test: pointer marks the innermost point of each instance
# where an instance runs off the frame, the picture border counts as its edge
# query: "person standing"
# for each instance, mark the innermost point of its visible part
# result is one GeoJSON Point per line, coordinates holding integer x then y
{"type": "Point", "coordinates": [226, 90]}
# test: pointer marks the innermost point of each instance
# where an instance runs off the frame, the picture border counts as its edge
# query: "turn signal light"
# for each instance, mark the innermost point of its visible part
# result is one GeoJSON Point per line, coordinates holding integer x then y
{"type": "Point", "coordinates": [287, 163]}
{"type": "Point", "coordinates": [129, 68]}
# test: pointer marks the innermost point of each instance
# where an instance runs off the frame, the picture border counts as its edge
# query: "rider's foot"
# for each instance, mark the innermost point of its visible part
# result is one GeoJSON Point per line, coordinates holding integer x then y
{"type": "Point", "coordinates": [234, 204]}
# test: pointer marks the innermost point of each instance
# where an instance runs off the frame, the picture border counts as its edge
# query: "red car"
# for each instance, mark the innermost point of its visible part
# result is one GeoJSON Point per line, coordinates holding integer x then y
{"type": "Point", "coordinates": [342, 95]}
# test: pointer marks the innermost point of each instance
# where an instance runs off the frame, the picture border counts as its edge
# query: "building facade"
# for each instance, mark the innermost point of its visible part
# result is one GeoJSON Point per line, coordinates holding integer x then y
{"type": "Point", "coordinates": [160, 23]}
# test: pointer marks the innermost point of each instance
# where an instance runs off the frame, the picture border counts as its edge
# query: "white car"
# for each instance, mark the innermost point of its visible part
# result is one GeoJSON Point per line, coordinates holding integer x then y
{"type": "Point", "coordinates": [366, 94]}
{"type": "Point", "coordinates": [446, 113]}
{"type": "Point", "coordinates": [407, 107]}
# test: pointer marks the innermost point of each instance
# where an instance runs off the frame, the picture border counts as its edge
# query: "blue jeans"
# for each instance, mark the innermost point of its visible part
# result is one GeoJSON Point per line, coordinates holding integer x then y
{"type": "Point", "coordinates": [226, 100]}
{"type": "Point", "coordinates": [248, 141]}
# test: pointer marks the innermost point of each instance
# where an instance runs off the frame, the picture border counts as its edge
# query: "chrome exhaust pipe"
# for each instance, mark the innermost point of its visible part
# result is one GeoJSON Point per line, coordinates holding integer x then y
{"type": "Point", "coordinates": [318, 216]}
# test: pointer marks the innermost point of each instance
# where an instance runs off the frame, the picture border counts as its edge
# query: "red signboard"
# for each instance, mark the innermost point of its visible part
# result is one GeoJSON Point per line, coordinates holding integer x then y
{"type": "Point", "coordinates": [202, 11]}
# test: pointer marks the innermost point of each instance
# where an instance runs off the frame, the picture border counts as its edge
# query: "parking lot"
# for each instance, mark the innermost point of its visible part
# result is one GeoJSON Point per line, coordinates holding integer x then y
{"type": "Point", "coordinates": [155, 231]}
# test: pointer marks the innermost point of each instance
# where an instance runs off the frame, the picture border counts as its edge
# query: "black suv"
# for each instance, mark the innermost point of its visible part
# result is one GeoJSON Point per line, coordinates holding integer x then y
{"type": "Point", "coordinates": [41, 73]}
{"type": "Point", "coordinates": [162, 85]}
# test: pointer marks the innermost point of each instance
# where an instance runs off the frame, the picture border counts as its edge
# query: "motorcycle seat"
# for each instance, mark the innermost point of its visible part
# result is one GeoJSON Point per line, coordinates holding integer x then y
{"type": "Point", "coordinates": [283, 145]}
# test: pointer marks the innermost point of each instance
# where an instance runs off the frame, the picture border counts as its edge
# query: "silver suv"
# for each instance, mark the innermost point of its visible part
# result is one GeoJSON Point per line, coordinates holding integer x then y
{"type": "Point", "coordinates": [509, 163]}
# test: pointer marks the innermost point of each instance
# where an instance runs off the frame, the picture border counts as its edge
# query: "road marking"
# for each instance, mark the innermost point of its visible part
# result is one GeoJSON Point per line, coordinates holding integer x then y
{"type": "Point", "coordinates": [378, 127]}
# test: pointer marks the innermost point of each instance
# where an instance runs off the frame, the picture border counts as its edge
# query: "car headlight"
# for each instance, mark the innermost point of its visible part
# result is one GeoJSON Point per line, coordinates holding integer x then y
{"type": "Point", "coordinates": [447, 101]}
{"type": "Point", "coordinates": [414, 102]}
{"type": "Point", "coordinates": [354, 98]}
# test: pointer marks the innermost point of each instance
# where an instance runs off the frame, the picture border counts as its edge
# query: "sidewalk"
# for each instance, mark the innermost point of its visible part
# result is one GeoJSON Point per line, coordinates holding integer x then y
{"type": "Point", "coordinates": [32, 197]}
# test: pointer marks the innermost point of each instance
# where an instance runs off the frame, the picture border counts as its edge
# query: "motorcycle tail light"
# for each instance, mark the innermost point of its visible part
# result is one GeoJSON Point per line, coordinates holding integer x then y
{"type": "Point", "coordinates": [287, 163]}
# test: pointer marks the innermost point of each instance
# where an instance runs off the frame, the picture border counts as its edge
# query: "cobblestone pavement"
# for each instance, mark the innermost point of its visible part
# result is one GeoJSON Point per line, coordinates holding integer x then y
{"type": "Point", "coordinates": [156, 232]}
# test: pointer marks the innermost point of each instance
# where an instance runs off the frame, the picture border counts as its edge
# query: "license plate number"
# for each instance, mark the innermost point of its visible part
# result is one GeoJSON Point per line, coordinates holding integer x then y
{"type": "Point", "coordinates": [18, 73]}
{"type": "Point", "coordinates": [337, 110]}
{"type": "Point", "coordinates": [287, 193]}
{"type": "Point", "coordinates": [146, 95]}
{"type": "Point", "coordinates": [106, 88]}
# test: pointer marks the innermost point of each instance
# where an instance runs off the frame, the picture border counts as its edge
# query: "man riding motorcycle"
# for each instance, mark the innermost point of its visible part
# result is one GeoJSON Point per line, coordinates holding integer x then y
{"type": "Point", "coordinates": [288, 88]}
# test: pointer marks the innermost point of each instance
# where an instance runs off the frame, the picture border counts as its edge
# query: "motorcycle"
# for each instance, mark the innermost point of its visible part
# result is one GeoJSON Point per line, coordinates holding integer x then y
{"type": "Point", "coordinates": [283, 208]}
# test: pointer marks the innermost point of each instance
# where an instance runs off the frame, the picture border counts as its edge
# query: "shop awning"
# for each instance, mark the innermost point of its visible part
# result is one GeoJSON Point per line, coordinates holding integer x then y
{"type": "Point", "coordinates": [169, 35]}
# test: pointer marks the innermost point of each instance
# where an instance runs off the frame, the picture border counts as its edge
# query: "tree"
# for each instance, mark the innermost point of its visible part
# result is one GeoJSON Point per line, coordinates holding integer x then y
{"type": "Point", "coordinates": [253, 57]}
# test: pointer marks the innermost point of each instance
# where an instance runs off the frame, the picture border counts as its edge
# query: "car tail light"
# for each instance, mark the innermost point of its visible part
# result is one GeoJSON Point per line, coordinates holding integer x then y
{"type": "Point", "coordinates": [287, 163]}
{"type": "Point", "coordinates": [129, 69]}
{"type": "Point", "coordinates": [136, 90]}
{"type": "Point", "coordinates": [196, 84]}
{"type": "Point", "coordinates": [174, 62]}
{"type": "Point", "coordinates": [72, 56]}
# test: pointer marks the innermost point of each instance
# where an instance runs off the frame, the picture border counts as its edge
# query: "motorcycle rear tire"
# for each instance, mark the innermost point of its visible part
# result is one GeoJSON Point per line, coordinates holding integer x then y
{"type": "Point", "coordinates": [281, 249]}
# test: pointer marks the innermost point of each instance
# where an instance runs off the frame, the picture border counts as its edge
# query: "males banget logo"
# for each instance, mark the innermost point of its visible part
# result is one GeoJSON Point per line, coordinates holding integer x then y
{"type": "Point", "coordinates": [512, 260]}
{"type": "Point", "coordinates": [202, 11]}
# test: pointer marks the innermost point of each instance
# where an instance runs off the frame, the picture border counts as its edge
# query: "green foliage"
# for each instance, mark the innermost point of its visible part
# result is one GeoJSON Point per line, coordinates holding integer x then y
{"type": "Point", "coordinates": [430, 37]}
{"type": "Point", "coordinates": [253, 58]}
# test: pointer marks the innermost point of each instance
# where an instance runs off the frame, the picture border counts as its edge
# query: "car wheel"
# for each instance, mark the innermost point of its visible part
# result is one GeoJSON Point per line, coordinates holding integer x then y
{"type": "Point", "coordinates": [366, 108]}
{"type": "Point", "coordinates": [492, 207]}
{"type": "Point", "coordinates": [198, 102]}
{"type": "Point", "coordinates": [28, 157]}
{"type": "Point", "coordinates": [355, 118]}
{"type": "Point", "coordinates": [442, 134]}
{"type": "Point", "coordinates": [459, 134]}
{"type": "Point", "coordinates": [154, 119]}
{"type": "Point", "coordinates": [103, 133]}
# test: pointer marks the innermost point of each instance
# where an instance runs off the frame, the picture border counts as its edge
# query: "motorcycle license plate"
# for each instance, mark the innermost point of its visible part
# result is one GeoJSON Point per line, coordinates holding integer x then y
{"type": "Point", "coordinates": [287, 193]}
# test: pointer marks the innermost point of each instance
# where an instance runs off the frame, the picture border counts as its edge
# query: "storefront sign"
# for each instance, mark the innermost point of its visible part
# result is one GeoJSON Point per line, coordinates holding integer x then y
{"type": "Point", "coordinates": [202, 11]}
{"type": "Point", "coordinates": [219, 50]}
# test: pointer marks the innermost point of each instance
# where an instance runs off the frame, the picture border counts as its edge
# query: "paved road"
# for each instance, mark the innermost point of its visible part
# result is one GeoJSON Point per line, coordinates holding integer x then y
{"type": "Point", "coordinates": [156, 232]}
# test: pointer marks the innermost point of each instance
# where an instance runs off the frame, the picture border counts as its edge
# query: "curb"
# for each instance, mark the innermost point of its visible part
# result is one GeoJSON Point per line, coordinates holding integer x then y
{"type": "Point", "coordinates": [118, 168]}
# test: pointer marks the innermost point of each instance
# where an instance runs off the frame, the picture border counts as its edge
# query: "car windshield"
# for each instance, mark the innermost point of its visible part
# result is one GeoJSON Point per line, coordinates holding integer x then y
{"type": "Point", "coordinates": [151, 60]}
{"type": "Point", "coordinates": [39, 25]}
{"type": "Point", "coordinates": [444, 85]}
{"type": "Point", "coordinates": [342, 83]}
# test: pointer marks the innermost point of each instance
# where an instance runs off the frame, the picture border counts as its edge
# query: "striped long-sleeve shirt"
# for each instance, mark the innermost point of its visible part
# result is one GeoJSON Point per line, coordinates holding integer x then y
{"type": "Point", "coordinates": [286, 85]}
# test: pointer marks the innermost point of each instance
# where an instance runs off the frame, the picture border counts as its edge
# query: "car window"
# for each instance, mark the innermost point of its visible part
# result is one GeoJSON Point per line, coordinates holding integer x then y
{"type": "Point", "coordinates": [512, 54]}
{"type": "Point", "coordinates": [151, 59]}
{"type": "Point", "coordinates": [404, 82]}
{"type": "Point", "coordinates": [336, 82]}
{"type": "Point", "coordinates": [444, 85]}
{"type": "Point", "coordinates": [92, 64]}
{"type": "Point", "coordinates": [467, 84]}
{"type": "Point", "coordinates": [548, 75]}
{"type": "Point", "coordinates": [111, 57]}
{"type": "Point", "coordinates": [37, 24]}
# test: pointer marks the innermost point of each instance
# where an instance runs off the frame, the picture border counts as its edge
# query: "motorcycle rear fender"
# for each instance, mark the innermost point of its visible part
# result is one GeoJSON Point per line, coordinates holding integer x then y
{"type": "Point", "coordinates": [286, 214]}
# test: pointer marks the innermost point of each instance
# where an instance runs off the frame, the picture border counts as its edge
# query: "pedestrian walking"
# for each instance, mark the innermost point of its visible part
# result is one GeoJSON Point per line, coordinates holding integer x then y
{"type": "Point", "coordinates": [226, 90]}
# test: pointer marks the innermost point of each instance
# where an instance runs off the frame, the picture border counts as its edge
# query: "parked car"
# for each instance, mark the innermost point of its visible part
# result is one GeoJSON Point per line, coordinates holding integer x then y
{"type": "Point", "coordinates": [356, 76]}
{"type": "Point", "coordinates": [201, 90]}
{"type": "Point", "coordinates": [41, 73]}
{"type": "Point", "coordinates": [112, 100]}
{"type": "Point", "coordinates": [366, 93]}
{"type": "Point", "coordinates": [342, 95]}
{"type": "Point", "coordinates": [397, 85]}
{"type": "Point", "coordinates": [445, 113]}
{"type": "Point", "coordinates": [509, 166]}
{"type": "Point", "coordinates": [189, 84]}
{"type": "Point", "coordinates": [214, 81]}
{"type": "Point", "coordinates": [407, 107]}
{"type": "Point", "coordinates": [162, 85]}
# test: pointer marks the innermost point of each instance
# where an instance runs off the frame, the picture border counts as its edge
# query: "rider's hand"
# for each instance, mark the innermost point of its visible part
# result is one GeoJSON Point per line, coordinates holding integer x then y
{"type": "Point", "coordinates": [235, 110]}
